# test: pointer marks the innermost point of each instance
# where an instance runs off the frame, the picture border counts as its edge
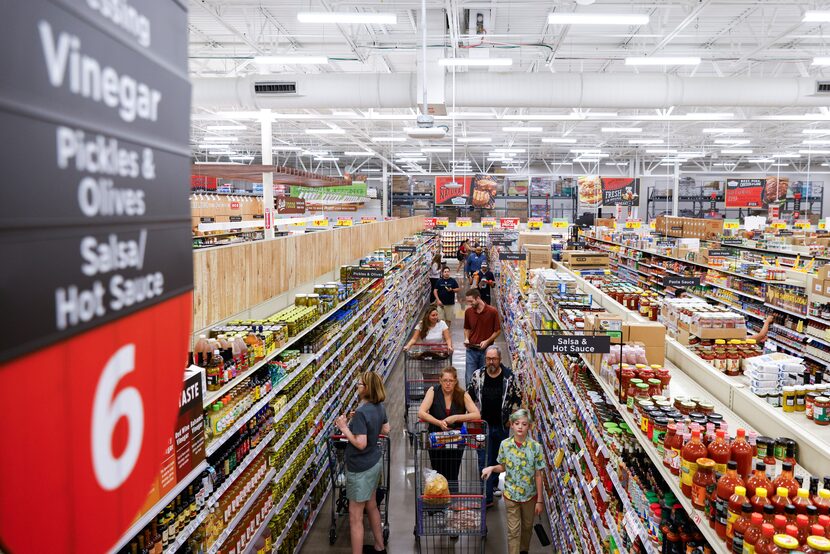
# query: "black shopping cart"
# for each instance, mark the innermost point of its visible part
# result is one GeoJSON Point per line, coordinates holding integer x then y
{"type": "Point", "coordinates": [422, 368]}
{"type": "Point", "coordinates": [449, 503]}
{"type": "Point", "coordinates": [336, 445]}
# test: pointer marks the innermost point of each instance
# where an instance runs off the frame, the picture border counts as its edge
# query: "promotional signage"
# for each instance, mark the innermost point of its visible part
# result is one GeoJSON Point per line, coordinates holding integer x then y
{"type": "Point", "coordinates": [559, 224]}
{"type": "Point", "coordinates": [595, 191]}
{"type": "Point", "coordinates": [478, 191]}
{"type": "Point", "coordinates": [719, 253]}
{"type": "Point", "coordinates": [633, 223]}
{"type": "Point", "coordinates": [429, 222]}
{"type": "Point", "coordinates": [367, 273]}
{"type": "Point", "coordinates": [290, 205]}
{"type": "Point", "coordinates": [406, 249]}
{"type": "Point", "coordinates": [673, 281]}
{"type": "Point", "coordinates": [509, 222]}
{"type": "Point", "coordinates": [573, 344]}
{"type": "Point", "coordinates": [731, 224]}
{"type": "Point", "coordinates": [779, 224]}
{"type": "Point", "coordinates": [442, 221]}
{"type": "Point", "coordinates": [802, 225]}
{"type": "Point", "coordinates": [344, 221]}
{"type": "Point", "coordinates": [774, 211]}
{"type": "Point", "coordinates": [463, 222]}
{"type": "Point", "coordinates": [355, 189]}
{"type": "Point", "coordinates": [99, 232]}
{"type": "Point", "coordinates": [665, 244]}
{"type": "Point", "coordinates": [822, 225]}
{"type": "Point", "coordinates": [488, 221]}
{"type": "Point", "coordinates": [785, 233]}
{"type": "Point", "coordinates": [732, 242]}
{"type": "Point", "coordinates": [744, 193]}
{"type": "Point", "coordinates": [324, 222]}
{"type": "Point", "coordinates": [368, 219]}
{"type": "Point", "coordinates": [534, 223]}
{"type": "Point", "coordinates": [512, 256]}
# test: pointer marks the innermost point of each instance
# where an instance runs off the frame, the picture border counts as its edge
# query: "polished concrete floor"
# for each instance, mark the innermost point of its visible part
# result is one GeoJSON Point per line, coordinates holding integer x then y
{"type": "Point", "coordinates": [402, 495]}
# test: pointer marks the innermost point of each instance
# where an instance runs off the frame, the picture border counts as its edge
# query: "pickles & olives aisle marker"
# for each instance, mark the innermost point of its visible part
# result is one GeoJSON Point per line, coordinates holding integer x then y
{"type": "Point", "coordinates": [99, 279]}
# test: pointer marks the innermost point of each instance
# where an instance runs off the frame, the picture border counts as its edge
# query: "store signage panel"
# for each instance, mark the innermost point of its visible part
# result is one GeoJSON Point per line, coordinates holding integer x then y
{"type": "Point", "coordinates": [405, 249]}
{"type": "Point", "coordinates": [534, 223]}
{"type": "Point", "coordinates": [673, 281]}
{"type": "Point", "coordinates": [488, 221]}
{"type": "Point", "coordinates": [70, 67]}
{"type": "Point", "coordinates": [100, 265]}
{"type": "Point", "coordinates": [366, 273]}
{"type": "Point", "coordinates": [463, 222]}
{"type": "Point", "coordinates": [502, 242]}
{"type": "Point", "coordinates": [512, 256]}
{"type": "Point", "coordinates": [573, 344]}
{"type": "Point", "coordinates": [290, 205]}
{"type": "Point", "coordinates": [452, 191]}
{"type": "Point", "coordinates": [620, 191]}
{"type": "Point", "coordinates": [744, 193]}
{"type": "Point", "coordinates": [509, 222]}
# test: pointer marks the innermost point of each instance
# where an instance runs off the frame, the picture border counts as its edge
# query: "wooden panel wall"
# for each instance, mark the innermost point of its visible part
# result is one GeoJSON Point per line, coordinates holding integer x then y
{"type": "Point", "coordinates": [229, 280]}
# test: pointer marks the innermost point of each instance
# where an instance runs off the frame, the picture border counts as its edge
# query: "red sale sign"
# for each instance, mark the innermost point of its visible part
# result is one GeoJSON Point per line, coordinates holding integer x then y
{"type": "Point", "coordinates": [509, 222]}
{"type": "Point", "coordinates": [92, 444]}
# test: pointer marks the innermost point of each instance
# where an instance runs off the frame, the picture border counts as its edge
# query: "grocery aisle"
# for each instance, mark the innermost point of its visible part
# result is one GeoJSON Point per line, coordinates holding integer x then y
{"type": "Point", "coordinates": [402, 502]}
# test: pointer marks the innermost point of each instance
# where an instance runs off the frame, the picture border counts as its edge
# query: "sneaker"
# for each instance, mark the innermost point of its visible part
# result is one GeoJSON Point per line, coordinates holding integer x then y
{"type": "Point", "coordinates": [497, 492]}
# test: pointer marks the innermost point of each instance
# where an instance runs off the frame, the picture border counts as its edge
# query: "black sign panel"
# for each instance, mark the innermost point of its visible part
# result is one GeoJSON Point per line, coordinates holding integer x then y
{"type": "Point", "coordinates": [207, 220]}
{"type": "Point", "coordinates": [440, 227]}
{"type": "Point", "coordinates": [235, 218]}
{"type": "Point", "coordinates": [674, 281]}
{"type": "Point", "coordinates": [732, 242]}
{"type": "Point", "coordinates": [407, 249]}
{"type": "Point", "coordinates": [368, 273]}
{"type": "Point", "coordinates": [503, 242]}
{"type": "Point", "coordinates": [784, 233]}
{"type": "Point", "coordinates": [86, 277]}
{"type": "Point", "coordinates": [719, 252]}
{"type": "Point", "coordinates": [429, 233]}
{"type": "Point", "coordinates": [676, 227]}
{"type": "Point", "coordinates": [512, 256]}
{"type": "Point", "coordinates": [665, 244]}
{"type": "Point", "coordinates": [574, 344]}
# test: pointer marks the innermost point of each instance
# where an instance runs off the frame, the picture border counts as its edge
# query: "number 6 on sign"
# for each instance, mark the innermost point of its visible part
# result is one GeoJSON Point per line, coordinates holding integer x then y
{"type": "Point", "coordinates": [107, 409]}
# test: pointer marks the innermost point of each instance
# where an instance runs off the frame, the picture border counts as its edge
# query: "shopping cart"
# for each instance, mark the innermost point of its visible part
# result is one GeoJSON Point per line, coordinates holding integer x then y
{"type": "Point", "coordinates": [451, 517]}
{"type": "Point", "coordinates": [336, 445]}
{"type": "Point", "coordinates": [422, 368]}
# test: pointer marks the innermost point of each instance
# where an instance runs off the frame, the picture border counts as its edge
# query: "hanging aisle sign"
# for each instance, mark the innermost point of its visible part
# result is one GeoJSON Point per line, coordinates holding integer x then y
{"type": "Point", "coordinates": [573, 344]}
{"type": "Point", "coordinates": [102, 274]}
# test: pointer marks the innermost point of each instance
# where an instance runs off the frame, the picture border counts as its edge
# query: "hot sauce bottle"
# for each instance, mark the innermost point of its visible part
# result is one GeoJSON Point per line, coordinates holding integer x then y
{"type": "Point", "coordinates": [758, 479]}
{"type": "Point", "coordinates": [780, 499]}
{"type": "Point", "coordinates": [719, 451]}
{"type": "Point", "coordinates": [759, 500]}
{"type": "Point", "coordinates": [787, 480]}
{"type": "Point", "coordinates": [801, 501]}
{"type": "Point", "coordinates": [689, 455]}
{"type": "Point", "coordinates": [736, 502]}
{"type": "Point", "coordinates": [742, 453]}
{"type": "Point", "coordinates": [753, 533]}
{"type": "Point", "coordinates": [725, 490]}
{"type": "Point", "coordinates": [740, 528]}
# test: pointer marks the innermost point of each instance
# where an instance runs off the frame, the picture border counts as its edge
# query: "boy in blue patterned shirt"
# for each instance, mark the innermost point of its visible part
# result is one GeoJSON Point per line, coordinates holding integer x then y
{"type": "Point", "coordinates": [521, 460]}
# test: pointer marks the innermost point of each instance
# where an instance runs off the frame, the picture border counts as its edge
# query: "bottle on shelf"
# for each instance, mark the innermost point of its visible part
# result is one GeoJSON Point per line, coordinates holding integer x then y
{"type": "Point", "coordinates": [801, 501]}
{"type": "Point", "coordinates": [689, 455]}
{"type": "Point", "coordinates": [765, 541]}
{"type": "Point", "coordinates": [780, 499]}
{"type": "Point", "coordinates": [758, 479]}
{"type": "Point", "coordinates": [725, 489]}
{"type": "Point", "coordinates": [760, 500]}
{"type": "Point", "coordinates": [734, 507]}
{"type": "Point", "coordinates": [740, 528]}
{"type": "Point", "coordinates": [752, 534]}
{"type": "Point", "coordinates": [719, 451]}
{"type": "Point", "coordinates": [786, 480]}
{"type": "Point", "coordinates": [742, 453]}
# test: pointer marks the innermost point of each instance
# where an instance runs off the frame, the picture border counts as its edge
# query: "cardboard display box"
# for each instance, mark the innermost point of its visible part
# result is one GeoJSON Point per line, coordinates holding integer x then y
{"type": "Point", "coordinates": [606, 322]}
{"type": "Point", "coordinates": [651, 335]}
{"type": "Point", "coordinates": [538, 255]}
{"type": "Point", "coordinates": [584, 258]}
{"type": "Point", "coordinates": [706, 333]}
{"type": "Point", "coordinates": [605, 222]}
{"type": "Point", "coordinates": [526, 237]}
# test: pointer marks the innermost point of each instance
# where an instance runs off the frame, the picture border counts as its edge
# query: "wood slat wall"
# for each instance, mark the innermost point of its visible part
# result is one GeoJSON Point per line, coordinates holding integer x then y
{"type": "Point", "coordinates": [229, 280]}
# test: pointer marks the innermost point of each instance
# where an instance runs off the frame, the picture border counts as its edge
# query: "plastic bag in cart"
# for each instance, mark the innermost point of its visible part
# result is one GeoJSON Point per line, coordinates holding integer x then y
{"type": "Point", "coordinates": [435, 485]}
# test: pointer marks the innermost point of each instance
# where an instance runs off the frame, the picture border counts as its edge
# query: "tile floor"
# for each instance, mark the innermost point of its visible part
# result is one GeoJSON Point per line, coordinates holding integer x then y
{"type": "Point", "coordinates": [402, 495]}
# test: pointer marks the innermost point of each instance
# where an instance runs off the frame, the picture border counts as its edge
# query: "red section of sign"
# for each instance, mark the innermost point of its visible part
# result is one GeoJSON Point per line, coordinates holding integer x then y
{"type": "Point", "coordinates": [430, 222]}
{"type": "Point", "coordinates": [774, 211]}
{"type": "Point", "coordinates": [509, 222]}
{"type": "Point", "coordinates": [86, 423]}
{"type": "Point", "coordinates": [447, 188]}
{"type": "Point", "coordinates": [744, 193]}
{"type": "Point", "coordinates": [202, 182]}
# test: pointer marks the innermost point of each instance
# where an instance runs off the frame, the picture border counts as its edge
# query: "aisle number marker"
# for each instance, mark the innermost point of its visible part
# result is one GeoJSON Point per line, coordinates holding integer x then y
{"type": "Point", "coordinates": [731, 224]}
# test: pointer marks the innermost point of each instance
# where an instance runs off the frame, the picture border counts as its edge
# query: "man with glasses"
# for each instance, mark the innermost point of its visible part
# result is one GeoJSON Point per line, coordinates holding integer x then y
{"type": "Point", "coordinates": [495, 390]}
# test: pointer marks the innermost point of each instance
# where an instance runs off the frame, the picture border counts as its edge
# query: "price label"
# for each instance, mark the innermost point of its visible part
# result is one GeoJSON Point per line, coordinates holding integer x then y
{"type": "Point", "coordinates": [509, 222]}
{"type": "Point", "coordinates": [560, 224]}
{"type": "Point", "coordinates": [731, 224]}
{"type": "Point", "coordinates": [534, 223]}
{"type": "Point", "coordinates": [300, 223]}
{"type": "Point", "coordinates": [368, 219]}
{"type": "Point", "coordinates": [822, 225]}
{"type": "Point", "coordinates": [652, 224]}
{"type": "Point", "coordinates": [633, 223]}
{"type": "Point", "coordinates": [778, 224]}
{"type": "Point", "coordinates": [323, 222]}
{"type": "Point", "coordinates": [802, 225]}
{"type": "Point", "coordinates": [463, 222]}
{"type": "Point", "coordinates": [345, 222]}
{"type": "Point", "coordinates": [442, 221]}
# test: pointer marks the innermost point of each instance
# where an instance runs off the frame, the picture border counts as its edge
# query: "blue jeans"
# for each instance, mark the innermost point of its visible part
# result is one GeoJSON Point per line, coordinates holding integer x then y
{"type": "Point", "coordinates": [495, 435]}
{"type": "Point", "coordinates": [474, 361]}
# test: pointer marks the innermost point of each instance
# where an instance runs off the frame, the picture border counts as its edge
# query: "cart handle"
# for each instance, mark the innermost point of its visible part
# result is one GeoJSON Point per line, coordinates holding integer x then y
{"type": "Point", "coordinates": [452, 496]}
{"type": "Point", "coordinates": [344, 436]}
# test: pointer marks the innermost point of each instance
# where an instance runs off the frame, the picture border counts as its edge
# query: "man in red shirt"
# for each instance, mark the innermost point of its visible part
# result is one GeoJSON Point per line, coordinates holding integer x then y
{"type": "Point", "coordinates": [481, 328]}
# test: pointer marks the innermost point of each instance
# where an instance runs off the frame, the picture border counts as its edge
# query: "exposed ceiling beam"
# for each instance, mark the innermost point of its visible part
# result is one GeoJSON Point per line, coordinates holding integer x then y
{"type": "Point", "coordinates": [695, 13]}
{"type": "Point", "coordinates": [215, 14]}
{"type": "Point", "coordinates": [327, 6]}
{"type": "Point", "coordinates": [279, 26]}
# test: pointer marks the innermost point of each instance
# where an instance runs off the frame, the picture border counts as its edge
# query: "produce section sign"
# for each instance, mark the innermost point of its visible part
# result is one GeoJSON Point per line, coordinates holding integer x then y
{"type": "Point", "coordinates": [744, 193]}
{"type": "Point", "coordinates": [355, 189]}
{"type": "Point", "coordinates": [98, 288]}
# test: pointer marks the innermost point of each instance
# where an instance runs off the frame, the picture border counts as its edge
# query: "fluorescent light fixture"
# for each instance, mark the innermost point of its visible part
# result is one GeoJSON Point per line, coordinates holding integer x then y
{"type": "Point", "coordinates": [474, 139]}
{"type": "Point", "coordinates": [782, 164]}
{"type": "Point", "coordinates": [815, 16]}
{"type": "Point", "coordinates": [409, 153]}
{"type": "Point", "coordinates": [662, 60]}
{"type": "Point", "coordinates": [360, 153]}
{"type": "Point", "coordinates": [645, 141]}
{"type": "Point", "coordinates": [786, 155]}
{"type": "Point", "coordinates": [543, 117]}
{"type": "Point", "coordinates": [471, 114]}
{"type": "Point", "coordinates": [622, 130]}
{"type": "Point", "coordinates": [814, 152]}
{"type": "Point", "coordinates": [692, 154]}
{"type": "Point", "coordinates": [437, 149]}
{"type": "Point", "coordinates": [725, 164]}
{"type": "Point", "coordinates": [510, 150]}
{"type": "Point", "coordinates": [522, 129]}
{"type": "Point", "coordinates": [225, 127]}
{"type": "Point", "coordinates": [600, 114]}
{"type": "Point", "coordinates": [554, 140]}
{"type": "Point", "coordinates": [370, 170]}
{"type": "Point", "coordinates": [597, 19]}
{"type": "Point", "coordinates": [761, 160]}
{"type": "Point", "coordinates": [326, 131]}
{"type": "Point", "coordinates": [345, 113]}
{"type": "Point", "coordinates": [388, 139]}
{"type": "Point", "coordinates": [222, 152]}
{"type": "Point", "coordinates": [816, 141]}
{"type": "Point", "coordinates": [315, 152]}
{"type": "Point", "coordinates": [213, 145]}
{"type": "Point", "coordinates": [661, 151]}
{"type": "Point", "coordinates": [585, 150]}
{"type": "Point", "coordinates": [220, 139]}
{"type": "Point", "coordinates": [327, 159]}
{"type": "Point", "coordinates": [243, 114]}
{"type": "Point", "coordinates": [589, 160]}
{"type": "Point", "coordinates": [475, 62]}
{"type": "Point", "coordinates": [411, 159]}
{"type": "Point", "coordinates": [360, 18]}
{"type": "Point", "coordinates": [286, 149]}
{"type": "Point", "coordinates": [821, 60]}
{"type": "Point", "coordinates": [242, 158]}
{"type": "Point", "coordinates": [291, 60]}
{"type": "Point", "coordinates": [816, 131]}
{"type": "Point", "coordinates": [736, 151]}
{"type": "Point", "coordinates": [732, 141]}
{"type": "Point", "coordinates": [723, 130]}
{"type": "Point", "coordinates": [616, 163]}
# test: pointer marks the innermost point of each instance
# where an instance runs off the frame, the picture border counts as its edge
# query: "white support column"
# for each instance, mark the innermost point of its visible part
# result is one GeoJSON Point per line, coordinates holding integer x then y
{"type": "Point", "coordinates": [268, 177]}
{"type": "Point", "coordinates": [675, 197]}
{"type": "Point", "coordinates": [384, 204]}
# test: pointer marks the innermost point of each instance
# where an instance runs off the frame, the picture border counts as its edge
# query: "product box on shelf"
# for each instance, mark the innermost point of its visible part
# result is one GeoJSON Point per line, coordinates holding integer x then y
{"type": "Point", "coordinates": [708, 333]}
{"type": "Point", "coordinates": [605, 222]}
{"type": "Point", "coordinates": [605, 322]}
{"type": "Point", "coordinates": [651, 335]}
{"type": "Point", "coordinates": [534, 238]}
{"type": "Point", "coordinates": [538, 256]}
{"type": "Point", "coordinates": [585, 258]}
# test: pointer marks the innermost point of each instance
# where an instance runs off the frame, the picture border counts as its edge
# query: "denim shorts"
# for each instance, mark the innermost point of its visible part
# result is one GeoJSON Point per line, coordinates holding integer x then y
{"type": "Point", "coordinates": [361, 486]}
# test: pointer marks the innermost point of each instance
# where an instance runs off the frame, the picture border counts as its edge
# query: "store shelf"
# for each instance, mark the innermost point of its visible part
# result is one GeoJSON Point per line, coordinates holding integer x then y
{"type": "Point", "coordinates": [249, 548]}
{"type": "Point", "coordinates": [220, 540]}
{"type": "Point", "coordinates": [297, 510]}
{"type": "Point", "coordinates": [742, 293]}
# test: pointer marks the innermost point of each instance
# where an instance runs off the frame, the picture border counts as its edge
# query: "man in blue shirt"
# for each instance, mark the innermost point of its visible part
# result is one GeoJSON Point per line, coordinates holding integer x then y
{"type": "Point", "coordinates": [474, 261]}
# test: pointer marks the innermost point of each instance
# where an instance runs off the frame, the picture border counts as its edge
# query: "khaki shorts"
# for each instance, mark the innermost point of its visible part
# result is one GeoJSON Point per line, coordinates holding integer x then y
{"type": "Point", "coordinates": [361, 486]}
{"type": "Point", "coordinates": [447, 313]}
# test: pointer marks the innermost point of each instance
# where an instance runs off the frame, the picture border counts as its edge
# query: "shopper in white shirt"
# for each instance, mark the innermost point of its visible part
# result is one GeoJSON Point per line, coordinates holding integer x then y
{"type": "Point", "coordinates": [431, 330]}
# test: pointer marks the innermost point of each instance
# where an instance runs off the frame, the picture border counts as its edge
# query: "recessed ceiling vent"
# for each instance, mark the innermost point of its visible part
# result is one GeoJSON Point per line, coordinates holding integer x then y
{"type": "Point", "coordinates": [822, 87]}
{"type": "Point", "coordinates": [275, 87]}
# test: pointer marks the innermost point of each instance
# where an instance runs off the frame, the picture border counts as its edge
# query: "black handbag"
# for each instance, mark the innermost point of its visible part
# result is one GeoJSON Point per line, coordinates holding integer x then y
{"type": "Point", "coordinates": [542, 534]}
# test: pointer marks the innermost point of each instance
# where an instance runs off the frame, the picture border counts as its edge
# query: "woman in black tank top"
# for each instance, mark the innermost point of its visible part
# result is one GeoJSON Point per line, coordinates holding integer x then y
{"type": "Point", "coordinates": [445, 407]}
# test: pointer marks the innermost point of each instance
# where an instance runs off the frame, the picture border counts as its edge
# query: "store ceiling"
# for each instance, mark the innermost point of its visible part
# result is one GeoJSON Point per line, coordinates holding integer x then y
{"type": "Point", "coordinates": [749, 50]}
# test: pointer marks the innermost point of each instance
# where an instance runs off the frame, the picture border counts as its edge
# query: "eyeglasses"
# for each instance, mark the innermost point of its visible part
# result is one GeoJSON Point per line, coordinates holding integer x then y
{"type": "Point", "coordinates": [448, 381]}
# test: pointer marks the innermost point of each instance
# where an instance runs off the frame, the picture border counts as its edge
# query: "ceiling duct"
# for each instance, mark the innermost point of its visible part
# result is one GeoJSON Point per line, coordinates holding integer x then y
{"type": "Point", "coordinates": [275, 87]}
{"type": "Point", "coordinates": [822, 87]}
{"type": "Point", "coordinates": [513, 90]}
